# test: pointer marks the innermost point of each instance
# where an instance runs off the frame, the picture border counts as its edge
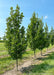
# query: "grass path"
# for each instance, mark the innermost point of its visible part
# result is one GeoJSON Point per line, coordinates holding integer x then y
{"type": "Point", "coordinates": [28, 65]}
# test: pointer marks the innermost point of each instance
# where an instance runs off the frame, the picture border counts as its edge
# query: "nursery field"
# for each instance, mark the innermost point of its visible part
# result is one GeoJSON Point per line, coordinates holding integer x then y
{"type": "Point", "coordinates": [45, 65]}
{"type": "Point", "coordinates": [26, 37]}
{"type": "Point", "coordinates": [6, 62]}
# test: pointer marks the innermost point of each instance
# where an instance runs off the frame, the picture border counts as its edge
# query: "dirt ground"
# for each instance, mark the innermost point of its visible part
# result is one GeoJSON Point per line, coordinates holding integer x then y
{"type": "Point", "coordinates": [28, 63]}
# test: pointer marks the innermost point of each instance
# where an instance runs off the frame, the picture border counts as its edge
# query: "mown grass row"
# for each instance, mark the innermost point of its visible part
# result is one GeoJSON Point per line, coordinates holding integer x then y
{"type": "Point", "coordinates": [2, 47]}
{"type": "Point", "coordinates": [44, 68]}
{"type": "Point", "coordinates": [7, 63]}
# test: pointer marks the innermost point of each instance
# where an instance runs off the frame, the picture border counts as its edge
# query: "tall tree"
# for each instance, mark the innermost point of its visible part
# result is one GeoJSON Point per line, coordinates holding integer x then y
{"type": "Point", "coordinates": [34, 33]}
{"type": "Point", "coordinates": [46, 36]}
{"type": "Point", "coordinates": [31, 33]}
{"type": "Point", "coordinates": [52, 36]}
{"type": "Point", "coordinates": [40, 36]}
{"type": "Point", "coordinates": [15, 35]}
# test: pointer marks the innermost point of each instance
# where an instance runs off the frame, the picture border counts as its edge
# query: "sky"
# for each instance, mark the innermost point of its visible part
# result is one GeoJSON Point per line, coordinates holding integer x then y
{"type": "Point", "coordinates": [44, 8]}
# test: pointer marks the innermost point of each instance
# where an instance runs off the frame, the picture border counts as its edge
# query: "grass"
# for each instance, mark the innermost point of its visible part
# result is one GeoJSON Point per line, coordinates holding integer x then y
{"type": "Point", "coordinates": [3, 53]}
{"type": "Point", "coordinates": [2, 47]}
{"type": "Point", "coordinates": [44, 68]}
{"type": "Point", "coordinates": [7, 63]}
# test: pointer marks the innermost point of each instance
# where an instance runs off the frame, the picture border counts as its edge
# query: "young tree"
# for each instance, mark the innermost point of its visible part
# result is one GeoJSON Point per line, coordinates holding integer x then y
{"type": "Point", "coordinates": [23, 38]}
{"type": "Point", "coordinates": [34, 33]}
{"type": "Point", "coordinates": [40, 36]}
{"type": "Point", "coordinates": [46, 36]}
{"type": "Point", "coordinates": [52, 36]}
{"type": "Point", "coordinates": [15, 35]}
{"type": "Point", "coordinates": [31, 33]}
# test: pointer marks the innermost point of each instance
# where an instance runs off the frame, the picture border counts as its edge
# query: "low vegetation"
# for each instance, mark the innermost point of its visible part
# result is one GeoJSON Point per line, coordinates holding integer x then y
{"type": "Point", "coordinates": [46, 67]}
{"type": "Point", "coordinates": [7, 63]}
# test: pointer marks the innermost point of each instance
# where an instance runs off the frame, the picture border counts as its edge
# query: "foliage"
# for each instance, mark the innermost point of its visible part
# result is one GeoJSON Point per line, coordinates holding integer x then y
{"type": "Point", "coordinates": [35, 33]}
{"type": "Point", "coordinates": [0, 38]}
{"type": "Point", "coordinates": [51, 35]}
{"type": "Point", "coordinates": [40, 36]}
{"type": "Point", "coordinates": [4, 38]}
{"type": "Point", "coordinates": [46, 36]}
{"type": "Point", "coordinates": [15, 35]}
{"type": "Point", "coordinates": [32, 32]}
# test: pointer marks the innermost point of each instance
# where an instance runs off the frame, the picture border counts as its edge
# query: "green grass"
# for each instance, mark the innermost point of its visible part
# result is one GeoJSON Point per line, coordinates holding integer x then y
{"type": "Point", "coordinates": [2, 47]}
{"type": "Point", "coordinates": [45, 68]}
{"type": "Point", "coordinates": [7, 63]}
{"type": "Point", "coordinates": [3, 53]}
{"type": "Point", "coordinates": [3, 50]}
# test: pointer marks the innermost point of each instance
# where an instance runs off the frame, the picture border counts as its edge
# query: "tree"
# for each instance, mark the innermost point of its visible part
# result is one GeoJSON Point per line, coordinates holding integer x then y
{"type": "Point", "coordinates": [31, 33]}
{"type": "Point", "coordinates": [15, 35]}
{"type": "Point", "coordinates": [0, 38]}
{"type": "Point", "coordinates": [34, 33]}
{"type": "Point", "coordinates": [52, 36]}
{"type": "Point", "coordinates": [23, 38]}
{"type": "Point", "coordinates": [46, 36]}
{"type": "Point", "coordinates": [4, 38]}
{"type": "Point", "coordinates": [40, 36]}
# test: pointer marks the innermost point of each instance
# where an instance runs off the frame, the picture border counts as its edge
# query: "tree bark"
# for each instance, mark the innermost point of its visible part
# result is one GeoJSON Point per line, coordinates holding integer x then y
{"type": "Point", "coordinates": [47, 48]}
{"type": "Point", "coordinates": [17, 64]}
{"type": "Point", "coordinates": [41, 52]}
{"type": "Point", "coordinates": [34, 54]}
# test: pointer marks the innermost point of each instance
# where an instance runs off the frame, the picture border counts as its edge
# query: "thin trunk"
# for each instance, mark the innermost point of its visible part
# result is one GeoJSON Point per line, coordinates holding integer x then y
{"type": "Point", "coordinates": [41, 52]}
{"type": "Point", "coordinates": [17, 64]}
{"type": "Point", "coordinates": [47, 48]}
{"type": "Point", "coordinates": [34, 54]}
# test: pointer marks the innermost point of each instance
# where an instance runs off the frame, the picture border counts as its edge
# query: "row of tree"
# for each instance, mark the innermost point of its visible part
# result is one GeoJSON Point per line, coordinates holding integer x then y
{"type": "Point", "coordinates": [17, 40]}
{"type": "Point", "coordinates": [38, 35]}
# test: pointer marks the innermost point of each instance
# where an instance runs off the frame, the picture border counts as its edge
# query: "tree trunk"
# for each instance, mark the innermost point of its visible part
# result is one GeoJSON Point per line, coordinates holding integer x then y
{"type": "Point", "coordinates": [34, 54]}
{"type": "Point", "coordinates": [47, 48]}
{"type": "Point", "coordinates": [41, 52]}
{"type": "Point", "coordinates": [17, 64]}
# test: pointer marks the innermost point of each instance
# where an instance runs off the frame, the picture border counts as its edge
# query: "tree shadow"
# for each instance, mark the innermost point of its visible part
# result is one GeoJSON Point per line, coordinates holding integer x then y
{"type": "Point", "coordinates": [41, 68]}
{"type": "Point", "coordinates": [49, 56]}
{"type": "Point", "coordinates": [5, 58]}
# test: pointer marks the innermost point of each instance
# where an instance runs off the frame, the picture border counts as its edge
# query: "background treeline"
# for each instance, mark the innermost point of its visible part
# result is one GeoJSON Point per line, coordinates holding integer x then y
{"type": "Point", "coordinates": [17, 39]}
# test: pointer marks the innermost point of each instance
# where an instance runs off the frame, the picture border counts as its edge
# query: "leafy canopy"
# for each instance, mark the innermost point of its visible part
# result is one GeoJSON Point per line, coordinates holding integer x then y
{"type": "Point", "coordinates": [15, 34]}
